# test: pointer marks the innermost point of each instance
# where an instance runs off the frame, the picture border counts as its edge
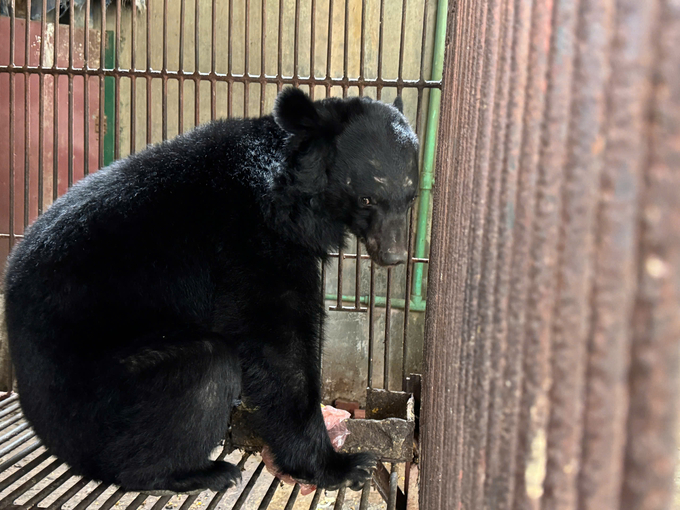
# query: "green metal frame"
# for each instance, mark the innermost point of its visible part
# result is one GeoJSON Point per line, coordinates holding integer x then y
{"type": "Point", "coordinates": [430, 145]}
{"type": "Point", "coordinates": [109, 99]}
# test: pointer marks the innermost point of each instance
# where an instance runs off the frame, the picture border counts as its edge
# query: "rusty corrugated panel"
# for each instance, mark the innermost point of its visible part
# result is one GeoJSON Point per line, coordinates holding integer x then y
{"type": "Point", "coordinates": [554, 303]}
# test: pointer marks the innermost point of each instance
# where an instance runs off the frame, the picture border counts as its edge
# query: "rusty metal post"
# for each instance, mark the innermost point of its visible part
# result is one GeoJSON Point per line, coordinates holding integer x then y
{"type": "Point", "coordinates": [553, 322]}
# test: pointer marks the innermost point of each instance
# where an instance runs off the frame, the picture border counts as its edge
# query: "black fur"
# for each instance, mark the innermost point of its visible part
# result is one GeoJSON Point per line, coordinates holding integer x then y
{"type": "Point", "coordinates": [158, 290]}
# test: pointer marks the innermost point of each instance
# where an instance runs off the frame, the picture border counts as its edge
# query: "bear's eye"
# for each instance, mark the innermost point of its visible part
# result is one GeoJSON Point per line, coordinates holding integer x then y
{"type": "Point", "coordinates": [366, 201]}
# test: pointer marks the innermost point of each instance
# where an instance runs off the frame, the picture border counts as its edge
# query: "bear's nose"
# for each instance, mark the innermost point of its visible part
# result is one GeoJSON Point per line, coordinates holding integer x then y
{"type": "Point", "coordinates": [394, 257]}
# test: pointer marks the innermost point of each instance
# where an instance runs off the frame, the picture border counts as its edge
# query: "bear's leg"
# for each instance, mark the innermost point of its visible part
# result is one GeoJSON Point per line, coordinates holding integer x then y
{"type": "Point", "coordinates": [181, 390]}
{"type": "Point", "coordinates": [282, 389]}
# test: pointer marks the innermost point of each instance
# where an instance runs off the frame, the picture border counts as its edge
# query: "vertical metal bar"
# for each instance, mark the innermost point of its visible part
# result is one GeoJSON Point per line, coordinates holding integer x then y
{"type": "Point", "coordinates": [567, 346]}
{"type": "Point", "coordinates": [407, 300]}
{"type": "Point", "coordinates": [341, 258]}
{"type": "Point", "coordinates": [321, 331]}
{"type": "Point", "coordinates": [329, 49]}
{"type": "Point", "coordinates": [345, 50]}
{"type": "Point", "coordinates": [86, 89]}
{"type": "Point", "coordinates": [340, 498]}
{"type": "Point", "coordinates": [388, 324]}
{"type": "Point", "coordinates": [71, 106]}
{"type": "Point", "coordinates": [651, 450]}
{"type": "Point", "coordinates": [296, 44]}
{"type": "Point", "coordinates": [380, 48]}
{"type": "Point", "coordinates": [371, 324]}
{"type": "Point", "coordinates": [440, 361]}
{"type": "Point", "coordinates": [279, 48]}
{"type": "Point", "coordinates": [264, 504]}
{"type": "Point", "coordinates": [394, 488]}
{"type": "Point", "coordinates": [617, 274]}
{"type": "Point", "coordinates": [55, 107]}
{"type": "Point", "coordinates": [102, 98]}
{"type": "Point", "coordinates": [180, 82]}
{"type": "Point", "coordinates": [116, 133]}
{"type": "Point", "coordinates": [362, 49]}
{"type": "Point", "coordinates": [246, 54]}
{"type": "Point", "coordinates": [41, 114]}
{"type": "Point", "coordinates": [149, 124]}
{"type": "Point", "coordinates": [70, 126]}
{"type": "Point", "coordinates": [248, 488]}
{"type": "Point", "coordinates": [263, 53]}
{"type": "Point", "coordinates": [27, 116]}
{"type": "Point", "coordinates": [164, 70]}
{"type": "Point", "coordinates": [12, 152]}
{"type": "Point", "coordinates": [317, 495]}
{"type": "Point", "coordinates": [400, 71]}
{"type": "Point", "coordinates": [213, 62]}
{"type": "Point", "coordinates": [357, 276]}
{"type": "Point", "coordinates": [41, 140]}
{"type": "Point", "coordinates": [230, 84]}
{"type": "Point", "coordinates": [133, 81]}
{"type": "Point", "coordinates": [365, 494]}
{"type": "Point", "coordinates": [197, 67]}
{"type": "Point", "coordinates": [312, 50]}
{"type": "Point", "coordinates": [533, 406]}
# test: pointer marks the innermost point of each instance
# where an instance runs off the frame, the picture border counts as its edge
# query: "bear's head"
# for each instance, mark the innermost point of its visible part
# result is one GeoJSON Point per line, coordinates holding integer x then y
{"type": "Point", "coordinates": [359, 158]}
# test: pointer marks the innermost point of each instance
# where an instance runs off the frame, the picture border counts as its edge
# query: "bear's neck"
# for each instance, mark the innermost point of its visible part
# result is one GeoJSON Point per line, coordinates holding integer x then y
{"type": "Point", "coordinates": [305, 221]}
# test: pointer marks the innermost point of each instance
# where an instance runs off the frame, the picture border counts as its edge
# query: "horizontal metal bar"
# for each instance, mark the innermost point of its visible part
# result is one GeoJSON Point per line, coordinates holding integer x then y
{"type": "Point", "coordinates": [33, 480]}
{"type": "Point", "coordinates": [23, 471]}
{"type": "Point", "coordinates": [9, 410]}
{"type": "Point", "coordinates": [415, 304]}
{"type": "Point", "coordinates": [352, 256]}
{"type": "Point", "coordinates": [14, 444]}
{"type": "Point", "coordinates": [70, 493]}
{"type": "Point", "coordinates": [16, 458]}
{"type": "Point", "coordinates": [47, 490]}
{"type": "Point", "coordinates": [92, 496]}
{"type": "Point", "coordinates": [11, 421]}
{"type": "Point", "coordinates": [14, 432]}
{"type": "Point", "coordinates": [219, 77]}
{"type": "Point", "coordinates": [8, 400]}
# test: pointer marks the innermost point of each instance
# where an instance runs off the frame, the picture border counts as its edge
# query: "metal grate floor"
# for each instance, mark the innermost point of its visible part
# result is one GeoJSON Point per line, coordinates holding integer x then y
{"type": "Point", "coordinates": [31, 478]}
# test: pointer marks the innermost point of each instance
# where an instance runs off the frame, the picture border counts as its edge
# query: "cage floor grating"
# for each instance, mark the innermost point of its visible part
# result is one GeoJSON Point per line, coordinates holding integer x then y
{"type": "Point", "coordinates": [31, 478]}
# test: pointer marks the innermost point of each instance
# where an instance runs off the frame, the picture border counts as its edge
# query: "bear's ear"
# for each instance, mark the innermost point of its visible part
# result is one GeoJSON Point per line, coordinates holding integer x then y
{"type": "Point", "coordinates": [399, 104]}
{"type": "Point", "coordinates": [295, 113]}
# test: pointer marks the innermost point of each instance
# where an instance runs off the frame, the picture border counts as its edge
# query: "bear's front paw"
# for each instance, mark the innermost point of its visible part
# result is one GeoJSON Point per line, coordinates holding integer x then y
{"type": "Point", "coordinates": [350, 469]}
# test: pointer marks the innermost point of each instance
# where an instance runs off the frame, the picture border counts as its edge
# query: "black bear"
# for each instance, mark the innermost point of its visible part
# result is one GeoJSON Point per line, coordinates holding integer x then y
{"type": "Point", "coordinates": [159, 290]}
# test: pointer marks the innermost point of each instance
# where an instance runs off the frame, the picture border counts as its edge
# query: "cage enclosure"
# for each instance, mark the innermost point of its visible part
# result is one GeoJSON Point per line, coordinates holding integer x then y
{"type": "Point", "coordinates": [85, 83]}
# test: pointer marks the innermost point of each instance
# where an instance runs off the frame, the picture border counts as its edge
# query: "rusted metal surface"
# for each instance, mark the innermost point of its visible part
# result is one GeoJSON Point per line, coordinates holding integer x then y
{"type": "Point", "coordinates": [553, 321]}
